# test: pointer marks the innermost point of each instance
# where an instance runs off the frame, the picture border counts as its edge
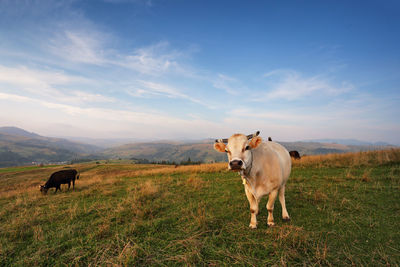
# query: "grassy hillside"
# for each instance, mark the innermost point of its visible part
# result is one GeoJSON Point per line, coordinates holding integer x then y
{"type": "Point", "coordinates": [344, 209]}
{"type": "Point", "coordinates": [317, 148]}
{"type": "Point", "coordinates": [158, 151]}
{"type": "Point", "coordinates": [203, 151]}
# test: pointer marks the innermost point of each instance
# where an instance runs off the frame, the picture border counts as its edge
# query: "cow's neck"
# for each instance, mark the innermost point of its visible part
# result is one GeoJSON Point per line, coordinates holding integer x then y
{"type": "Point", "coordinates": [248, 180]}
{"type": "Point", "coordinates": [246, 172]}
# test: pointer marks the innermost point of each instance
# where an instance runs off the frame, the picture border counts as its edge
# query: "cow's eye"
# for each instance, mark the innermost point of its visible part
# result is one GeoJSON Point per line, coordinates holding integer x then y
{"type": "Point", "coordinates": [247, 147]}
{"type": "Point", "coordinates": [226, 150]}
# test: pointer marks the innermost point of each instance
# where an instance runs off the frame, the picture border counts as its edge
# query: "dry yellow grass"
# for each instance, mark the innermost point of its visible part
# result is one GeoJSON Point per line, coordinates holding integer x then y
{"type": "Point", "coordinates": [366, 175]}
{"type": "Point", "coordinates": [170, 169]}
{"type": "Point", "coordinates": [350, 159]}
{"type": "Point", "coordinates": [195, 181]}
{"type": "Point", "coordinates": [148, 188]}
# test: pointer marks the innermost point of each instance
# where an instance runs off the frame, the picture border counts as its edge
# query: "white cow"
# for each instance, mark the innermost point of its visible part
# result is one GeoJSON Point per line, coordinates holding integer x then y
{"type": "Point", "coordinates": [264, 166]}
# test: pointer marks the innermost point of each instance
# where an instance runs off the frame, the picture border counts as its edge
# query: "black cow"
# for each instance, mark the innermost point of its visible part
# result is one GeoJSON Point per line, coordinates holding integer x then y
{"type": "Point", "coordinates": [58, 178]}
{"type": "Point", "coordinates": [295, 154]}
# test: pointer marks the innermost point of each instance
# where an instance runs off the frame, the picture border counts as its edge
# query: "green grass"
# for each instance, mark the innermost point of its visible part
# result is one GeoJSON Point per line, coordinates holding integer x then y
{"type": "Point", "coordinates": [24, 168]}
{"type": "Point", "coordinates": [343, 215]}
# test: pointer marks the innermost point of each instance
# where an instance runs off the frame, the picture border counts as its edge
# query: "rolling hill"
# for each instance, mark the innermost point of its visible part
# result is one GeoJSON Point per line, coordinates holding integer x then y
{"type": "Point", "coordinates": [19, 147]}
{"type": "Point", "coordinates": [203, 150]}
{"type": "Point", "coordinates": [167, 151]}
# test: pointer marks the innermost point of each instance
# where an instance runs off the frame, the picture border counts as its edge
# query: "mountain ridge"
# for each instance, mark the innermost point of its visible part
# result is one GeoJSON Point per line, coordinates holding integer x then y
{"type": "Point", "coordinates": [353, 142]}
{"type": "Point", "coordinates": [20, 147]}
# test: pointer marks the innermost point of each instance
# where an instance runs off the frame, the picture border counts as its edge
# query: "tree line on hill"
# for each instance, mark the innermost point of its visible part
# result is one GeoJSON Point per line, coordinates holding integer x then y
{"type": "Point", "coordinates": [143, 161]}
{"type": "Point", "coordinates": [167, 162]}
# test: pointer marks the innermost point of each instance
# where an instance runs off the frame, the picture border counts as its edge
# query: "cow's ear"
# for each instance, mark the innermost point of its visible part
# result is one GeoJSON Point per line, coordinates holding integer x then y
{"type": "Point", "coordinates": [255, 142]}
{"type": "Point", "coordinates": [220, 147]}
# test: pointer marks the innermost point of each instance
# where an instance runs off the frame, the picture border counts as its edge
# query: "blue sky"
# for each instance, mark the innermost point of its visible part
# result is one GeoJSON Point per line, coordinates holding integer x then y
{"type": "Point", "coordinates": [196, 69]}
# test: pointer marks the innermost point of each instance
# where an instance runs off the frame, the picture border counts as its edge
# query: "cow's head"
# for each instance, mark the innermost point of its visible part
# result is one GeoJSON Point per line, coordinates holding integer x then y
{"type": "Point", "coordinates": [238, 149]}
{"type": "Point", "coordinates": [43, 189]}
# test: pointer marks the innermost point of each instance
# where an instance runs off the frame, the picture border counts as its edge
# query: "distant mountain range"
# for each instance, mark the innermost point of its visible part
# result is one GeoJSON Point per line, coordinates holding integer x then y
{"type": "Point", "coordinates": [20, 147]}
{"type": "Point", "coordinates": [203, 151]}
{"type": "Point", "coordinates": [14, 131]}
{"type": "Point", "coordinates": [350, 142]}
{"type": "Point", "coordinates": [167, 151]}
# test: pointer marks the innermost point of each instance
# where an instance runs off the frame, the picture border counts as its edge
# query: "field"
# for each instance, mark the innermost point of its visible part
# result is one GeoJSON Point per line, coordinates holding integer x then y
{"type": "Point", "coordinates": [345, 210]}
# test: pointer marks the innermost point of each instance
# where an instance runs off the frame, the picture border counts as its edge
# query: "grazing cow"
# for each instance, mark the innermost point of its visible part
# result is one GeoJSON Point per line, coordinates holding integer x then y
{"type": "Point", "coordinates": [295, 154]}
{"type": "Point", "coordinates": [264, 166]}
{"type": "Point", "coordinates": [58, 178]}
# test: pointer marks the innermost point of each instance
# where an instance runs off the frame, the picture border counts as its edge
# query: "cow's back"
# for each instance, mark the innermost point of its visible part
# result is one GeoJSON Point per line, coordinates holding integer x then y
{"type": "Point", "coordinates": [63, 176]}
{"type": "Point", "coordinates": [284, 158]}
{"type": "Point", "coordinates": [274, 161]}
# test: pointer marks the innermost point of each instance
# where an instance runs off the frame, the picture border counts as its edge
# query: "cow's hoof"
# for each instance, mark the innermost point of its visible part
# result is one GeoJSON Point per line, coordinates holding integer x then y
{"type": "Point", "coordinates": [287, 219]}
{"type": "Point", "coordinates": [253, 226]}
{"type": "Point", "coordinates": [271, 224]}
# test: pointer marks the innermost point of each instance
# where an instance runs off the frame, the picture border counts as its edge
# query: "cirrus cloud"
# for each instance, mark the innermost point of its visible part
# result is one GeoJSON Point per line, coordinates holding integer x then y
{"type": "Point", "coordinates": [292, 85]}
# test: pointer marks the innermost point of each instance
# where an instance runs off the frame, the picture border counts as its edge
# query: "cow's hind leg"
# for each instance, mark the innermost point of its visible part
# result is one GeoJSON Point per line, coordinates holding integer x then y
{"type": "Point", "coordinates": [285, 214]}
{"type": "Point", "coordinates": [253, 208]}
{"type": "Point", "coordinates": [69, 185]}
{"type": "Point", "coordinates": [73, 184]}
{"type": "Point", "coordinates": [270, 207]}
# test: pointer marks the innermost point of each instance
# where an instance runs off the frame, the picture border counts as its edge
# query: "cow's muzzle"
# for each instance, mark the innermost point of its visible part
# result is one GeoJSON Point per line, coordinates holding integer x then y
{"type": "Point", "coordinates": [236, 164]}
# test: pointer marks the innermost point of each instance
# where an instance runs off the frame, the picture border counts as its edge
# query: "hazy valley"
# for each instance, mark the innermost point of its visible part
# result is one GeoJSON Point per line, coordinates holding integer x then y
{"type": "Point", "coordinates": [20, 147]}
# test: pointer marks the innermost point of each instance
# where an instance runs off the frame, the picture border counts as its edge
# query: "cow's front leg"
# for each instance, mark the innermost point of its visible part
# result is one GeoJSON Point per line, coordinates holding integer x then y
{"type": "Point", "coordinates": [253, 207]}
{"type": "Point", "coordinates": [270, 207]}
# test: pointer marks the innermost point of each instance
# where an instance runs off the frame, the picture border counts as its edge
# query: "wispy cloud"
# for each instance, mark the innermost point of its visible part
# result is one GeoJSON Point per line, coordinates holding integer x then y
{"type": "Point", "coordinates": [46, 85]}
{"type": "Point", "coordinates": [144, 2]}
{"type": "Point", "coordinates": [281, 116]}
{"type": "Point", "coordinates": [79, 46]}
{"type": "Point", "coordinates": [29, 77]}
{"type": "Point", "coordinates": [119, 121]}
{"type": "Point", "coordinates": [154, 60]}
{"type": "Point", "coordinates": [291, 85]}
{"type": "Point", "coordinates": [85, 97]}
{"type": "Point", "coordinates": [90, 46]}
{"type": "Point", "coordinates": [228, 84]}
{"type": "Point", "coordinates": [149, 88]}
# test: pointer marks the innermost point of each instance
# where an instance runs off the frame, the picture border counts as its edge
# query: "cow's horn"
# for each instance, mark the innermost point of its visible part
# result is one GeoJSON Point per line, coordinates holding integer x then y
{"type": "Point", "coordinates": [225, 140]}
{"type": "Point", "coordinates": [253, 135]}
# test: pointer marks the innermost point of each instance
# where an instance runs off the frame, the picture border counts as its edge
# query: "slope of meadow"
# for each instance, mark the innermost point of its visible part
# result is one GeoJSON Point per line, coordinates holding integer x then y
{"type": "Point", "coordinates": [344, 209]}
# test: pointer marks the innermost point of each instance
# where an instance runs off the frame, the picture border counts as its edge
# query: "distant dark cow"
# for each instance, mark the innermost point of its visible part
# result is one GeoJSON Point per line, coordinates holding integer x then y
{"type": "Point", "coordinates": [58, 178]}
{"type": "Point", "coordinates": [295, 154]}
{"type": "Point", "coordinates": [269, 139]}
